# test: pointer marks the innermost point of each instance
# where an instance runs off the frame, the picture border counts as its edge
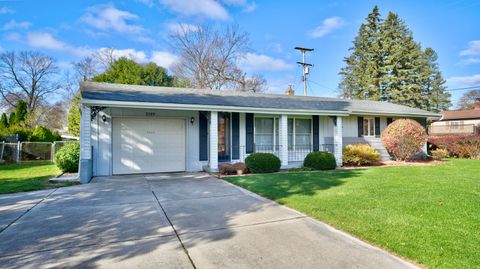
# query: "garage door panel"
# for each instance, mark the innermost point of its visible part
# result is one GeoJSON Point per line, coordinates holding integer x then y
{"type": "Point", "coordinates": [148, 145]}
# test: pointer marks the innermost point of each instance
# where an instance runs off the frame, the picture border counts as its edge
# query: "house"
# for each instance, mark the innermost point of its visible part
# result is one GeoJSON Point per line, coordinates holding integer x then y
{"type": "Point", "coordinates": [458, 122]}
{"type": "Point", "coordinates": [127, 129]}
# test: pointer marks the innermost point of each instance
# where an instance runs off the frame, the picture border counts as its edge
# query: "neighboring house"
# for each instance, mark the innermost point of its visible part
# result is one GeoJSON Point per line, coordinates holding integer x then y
{"type": "Point", "coordinates": [127, 129]}
{"type": "Point", "coordinates": [458, 122]}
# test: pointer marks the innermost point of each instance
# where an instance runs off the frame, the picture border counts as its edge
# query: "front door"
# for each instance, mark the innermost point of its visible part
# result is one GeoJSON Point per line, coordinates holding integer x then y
{"type": "Point", "coordinates": [223, 137]}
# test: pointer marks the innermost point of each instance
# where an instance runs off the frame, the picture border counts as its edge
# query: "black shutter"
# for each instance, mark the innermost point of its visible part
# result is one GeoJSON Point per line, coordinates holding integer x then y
{"type": "Point", "coordinates": [249, 132]}
{"type": "Point", "coordinates": [235, 136]}
{"type": "Point", "coordinates": [360, 126]}
{"type": "Point", "coordinates": [377, 127]}
{"type": "Point", "coordinates": [316, 137]}
{"type": "Point", "coordinates": [389, 121]}
{"type": "Point", "coordinates": [203, 135]}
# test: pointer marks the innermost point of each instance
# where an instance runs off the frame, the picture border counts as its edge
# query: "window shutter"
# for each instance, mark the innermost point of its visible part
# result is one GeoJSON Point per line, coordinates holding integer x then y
{"type": "Point", "coordinates": [316, 136]}
{"type": "Point", "coordinates": [249, 132]}
{"type": "Point", "coordinates": [203, 136]}
{"type": "Point", "coordinates": [235, 136]}
{"type": "Point", "coordinates": [389, 121]}
{"type": "Point", "coordinates": [377, 127]}
{"type": "Point", "coordinates": [360, 126]}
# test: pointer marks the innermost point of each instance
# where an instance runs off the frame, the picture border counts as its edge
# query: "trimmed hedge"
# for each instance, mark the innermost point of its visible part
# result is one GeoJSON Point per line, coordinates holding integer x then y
{"type": "Point", "coordinates": [263, 163]}
{"type": "Point", "coordinates": [68, 157]}
{"type": "Point", "coordinates": [227, 169]}
{"type": "Point", "coordinates": [360, 154]}
{"type": "Point", "coordinates": [320, 160]}
{"type": "Point", "coordinates": [460, 146]}
{"type": "Point", "coordinates": [439, 154]}
{"type": "Point", "coordinates": [404, 138]}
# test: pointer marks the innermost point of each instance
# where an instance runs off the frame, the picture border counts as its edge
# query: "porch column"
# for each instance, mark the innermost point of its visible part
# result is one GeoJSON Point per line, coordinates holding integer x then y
{"type": "Point", "coordinates": [213, 142]}
{"type": "Point", "coordinates": [338, 141]}
{"type": "Point", "coordinates": [283, 137]}
{"type": "Point", "coordinates": [85, 165]}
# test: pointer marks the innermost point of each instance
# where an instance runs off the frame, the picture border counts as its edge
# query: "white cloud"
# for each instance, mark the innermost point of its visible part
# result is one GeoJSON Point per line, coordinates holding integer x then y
{"type": "Point", "coordinates": [107, 17]}
{"type": "Point", "coordinates": [5, 10]}
{"type": "Point", "coordinates": [261, 62]}
{"type": "Point", "coordinates": [328, 25]}
{"type": "Point", "coordinates": [16, 25]}
{"type": "Point", "coordinates": [164, 58]}
{"type": "Point", "coordinates": [45, 40]}
{"type": "Point", "coordinates": [161, 58]}
{"type": "Point", "coordinates": [473, 48]}
{"type": "Point", "coordinates": [470, 61]}
{"type": "Point", "coordinates": [177, 28]}
{"type": "Point", "coordinates": [205, 8]}
{"type": "Point", "coordinates": [465, 81]}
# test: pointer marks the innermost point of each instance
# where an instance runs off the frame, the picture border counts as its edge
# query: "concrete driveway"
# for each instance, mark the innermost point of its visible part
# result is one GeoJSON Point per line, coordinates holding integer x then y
{"type": "Point", "coordinates": [170, 221]}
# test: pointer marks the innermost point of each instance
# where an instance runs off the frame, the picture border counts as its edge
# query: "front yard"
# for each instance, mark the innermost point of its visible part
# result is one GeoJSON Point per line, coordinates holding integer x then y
{"type": "Point", "coordinates": [428, 214]}
{"type": "Point", "coordinates": [29, 176]}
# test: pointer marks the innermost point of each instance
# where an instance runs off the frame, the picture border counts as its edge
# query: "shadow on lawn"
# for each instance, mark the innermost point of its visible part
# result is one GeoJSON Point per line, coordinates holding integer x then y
{"type": "Point", "coordinates": [283, 185]}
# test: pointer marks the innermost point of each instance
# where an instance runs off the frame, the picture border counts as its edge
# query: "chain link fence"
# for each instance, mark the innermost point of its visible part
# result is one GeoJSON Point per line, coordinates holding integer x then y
{"type": "Point", "coordinates": [30, 151]}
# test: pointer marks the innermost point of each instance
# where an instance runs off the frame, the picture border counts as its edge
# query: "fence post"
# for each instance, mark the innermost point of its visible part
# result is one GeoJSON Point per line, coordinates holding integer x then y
{"type": "Point", "coordinates": [3, 149]}
{"type": "Point", "coordinates": [52, 151]}
{"type": "Point", "coordinates": [19, 151]}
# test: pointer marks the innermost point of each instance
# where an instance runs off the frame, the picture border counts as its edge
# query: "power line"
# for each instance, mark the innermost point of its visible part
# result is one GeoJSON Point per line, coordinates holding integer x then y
{"type": "Point", "coordinates": [465, 88]}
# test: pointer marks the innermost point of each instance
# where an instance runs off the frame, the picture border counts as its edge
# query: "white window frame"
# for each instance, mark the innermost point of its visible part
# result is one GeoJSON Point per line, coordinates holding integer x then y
{"type": "Point", "coordinates": [276, 120]}
{"type": "Point", "coordinates": [369, 119]}
{"type": "Point", "coordinates": [294, 131]}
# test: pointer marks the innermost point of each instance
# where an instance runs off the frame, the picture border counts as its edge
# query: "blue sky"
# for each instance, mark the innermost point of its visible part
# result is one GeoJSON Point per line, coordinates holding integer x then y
{"type": "Point", "coordinates": [69, 30]}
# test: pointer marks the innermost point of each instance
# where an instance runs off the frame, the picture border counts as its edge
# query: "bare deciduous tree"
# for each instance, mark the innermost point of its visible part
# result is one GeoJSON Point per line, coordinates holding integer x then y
{"type": "Point", "coordinates": [86, 68]}
{"type": "Point", "coordinates": [209, 57]}
{"type": "Point", "coordinates": [468, 99]}
{"type": "Point", "coordinates": [27, 75]}
{"type": "Point", "coordinates": [104, 57]}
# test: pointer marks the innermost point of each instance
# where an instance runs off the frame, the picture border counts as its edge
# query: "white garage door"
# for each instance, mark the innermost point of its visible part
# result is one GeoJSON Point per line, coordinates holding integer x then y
{"type": "Point", "coordinates": [148, 145]}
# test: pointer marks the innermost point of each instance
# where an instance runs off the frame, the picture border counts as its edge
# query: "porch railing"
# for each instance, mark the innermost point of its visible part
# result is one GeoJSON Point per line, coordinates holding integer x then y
{"type": "Point", "coordinates": [296, 153]}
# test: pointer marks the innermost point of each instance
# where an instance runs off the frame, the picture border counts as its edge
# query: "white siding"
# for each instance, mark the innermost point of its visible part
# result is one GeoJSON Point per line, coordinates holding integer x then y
{"type": "Point", "coordinates": [243, 140]}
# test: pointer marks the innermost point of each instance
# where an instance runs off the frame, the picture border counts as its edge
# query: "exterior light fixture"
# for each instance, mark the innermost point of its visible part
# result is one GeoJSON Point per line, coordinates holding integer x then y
{"type": "Point", "coordinates": [104, 118]}
{"type": "Point", "coordinates": [192, 120]}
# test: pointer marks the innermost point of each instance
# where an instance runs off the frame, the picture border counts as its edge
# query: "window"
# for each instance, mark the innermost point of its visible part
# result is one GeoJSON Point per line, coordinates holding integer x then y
{"type": "Point", "coordinates": [266, 133]}
{"type": "Point", "coordinates": [368, 127]}
{"type": "Point", "coordinates": [299, 133]}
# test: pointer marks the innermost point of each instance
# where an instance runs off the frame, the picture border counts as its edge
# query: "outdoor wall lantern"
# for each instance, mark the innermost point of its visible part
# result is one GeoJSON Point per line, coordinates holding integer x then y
{"type": "Point", "coordinates": [104, 118]}
{"type": "Point", "coordinates": [192, 120]}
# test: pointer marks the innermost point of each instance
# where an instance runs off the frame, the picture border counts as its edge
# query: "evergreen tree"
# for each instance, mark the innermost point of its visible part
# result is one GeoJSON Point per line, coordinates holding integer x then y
{"type": "Point", "coordinates": [21, 112]}
{"type": "Point", "coordinates": [74, 117]}
{"type": "Point", "coordinates": [360, 78]}
{"type": "Point", "coordinates": [387, 64]}
{"type": "Point", "coordinates": [12, 119]}
{"type": "Point", "coordinates": [3, 121]}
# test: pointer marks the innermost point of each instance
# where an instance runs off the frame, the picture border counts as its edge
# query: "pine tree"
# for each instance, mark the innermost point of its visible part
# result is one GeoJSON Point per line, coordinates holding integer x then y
{"type": "Point", "coordinates": [387, 64]}
{"type": "Point", "coordinates": [12, 119]}
{"type": "Point", "coordinates": [3, 121]}
{"type": "Point", "coordinates": [21, 112]}
{"type": "Point", "coordinates": [360, 77]}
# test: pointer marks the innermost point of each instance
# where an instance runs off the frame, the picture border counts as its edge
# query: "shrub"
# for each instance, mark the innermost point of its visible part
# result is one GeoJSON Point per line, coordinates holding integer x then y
{"type": "Point", "coordinates": [67, 157]}
{"type": "Point", "coordinates": [404, 138]}
{"type": "Point", "coordinates": [439, 154]}
{"type": "Point", "coordinates": [301, 169]}
{"type": "Point", "coordinates": [360, 154]}
{"type": "Point", "coordinates": [460, 146]}
{"type": "Point", "coordinates": [227, 169]}
{"type": "Point", "coordinates": [320, 160]}
{"type": "Point", "coordinates": [263, 163]}
{"type": "Point", "coordinates": [240, 166]}
{"type": "Point", "coordinates": [42, 134]}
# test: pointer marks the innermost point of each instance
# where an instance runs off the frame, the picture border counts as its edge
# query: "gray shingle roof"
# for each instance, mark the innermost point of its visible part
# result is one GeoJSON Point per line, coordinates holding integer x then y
{"type": "Point", "coordinates": [166, 95]}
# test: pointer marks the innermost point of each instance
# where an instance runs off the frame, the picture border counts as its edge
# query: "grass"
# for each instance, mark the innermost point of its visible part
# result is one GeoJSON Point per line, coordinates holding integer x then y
{"type": "Point", "coordinates": [29, 176]}
{"type": "Point", "coordinates": [428, 214]}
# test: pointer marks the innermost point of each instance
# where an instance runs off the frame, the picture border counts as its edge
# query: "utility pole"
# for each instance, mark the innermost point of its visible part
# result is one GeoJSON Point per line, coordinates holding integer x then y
{"type": "Point", "coordinates": [305, 66]}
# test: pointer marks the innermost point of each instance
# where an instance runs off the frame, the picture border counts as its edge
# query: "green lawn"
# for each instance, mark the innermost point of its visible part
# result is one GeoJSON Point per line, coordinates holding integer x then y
{"type": "Point", "coordinates": [29, 176]}
{"type": "Point", "coordinates": [428, 214]}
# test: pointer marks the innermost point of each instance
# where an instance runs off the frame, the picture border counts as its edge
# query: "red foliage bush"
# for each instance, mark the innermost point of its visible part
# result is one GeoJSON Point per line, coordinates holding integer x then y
{"type": "Point", "coordinates": [227, 169]}
{"type": "Point", "coordinates": [461, 146]}
{"type": "Point", "coordinates": [404, 138]}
